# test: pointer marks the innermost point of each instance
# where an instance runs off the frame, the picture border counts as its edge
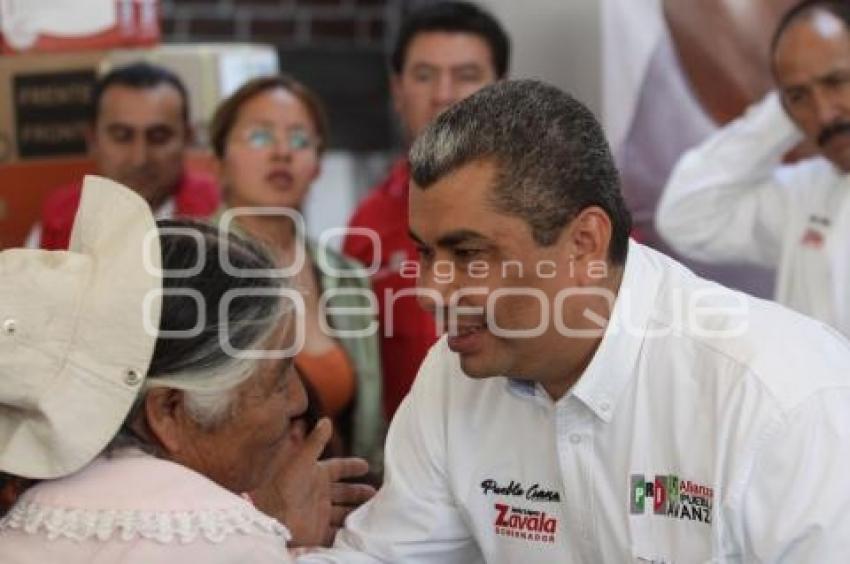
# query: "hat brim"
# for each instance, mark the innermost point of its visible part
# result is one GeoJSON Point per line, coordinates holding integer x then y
{"type": "Point", "coordinates": [112, 342]}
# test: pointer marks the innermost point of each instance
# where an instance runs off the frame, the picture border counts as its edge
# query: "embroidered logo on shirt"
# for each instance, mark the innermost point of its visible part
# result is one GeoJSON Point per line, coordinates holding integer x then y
{"type": "Point", "coordinates": [534, 493]}
{"type": "Point", "coordinates": [671, 497]}
{"type": "Point", "coordinates": [812, 238]}
{"type": "Point", "coordinates": [525, 524]}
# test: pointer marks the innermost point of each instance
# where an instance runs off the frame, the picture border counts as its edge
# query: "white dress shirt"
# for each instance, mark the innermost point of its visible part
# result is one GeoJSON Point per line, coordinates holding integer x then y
{"type": "Point", "coordinates": [732, 200]}
{"type": "Point", "coordinates": [708, 427]}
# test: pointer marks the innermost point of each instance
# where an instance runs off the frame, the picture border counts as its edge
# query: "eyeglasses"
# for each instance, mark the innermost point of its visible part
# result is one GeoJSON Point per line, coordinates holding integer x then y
{"type": "Point", "coordinates": [262, 137]}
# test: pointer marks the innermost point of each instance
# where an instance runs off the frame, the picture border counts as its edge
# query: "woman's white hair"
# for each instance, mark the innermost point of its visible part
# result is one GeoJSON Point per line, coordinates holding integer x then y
{"type": "Point", "coordinates": [209, 392]}
{"type": "Point", "coordinates": [203, 364]}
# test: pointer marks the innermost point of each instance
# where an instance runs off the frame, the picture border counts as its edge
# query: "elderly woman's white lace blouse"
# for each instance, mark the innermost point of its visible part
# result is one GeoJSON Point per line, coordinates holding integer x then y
{"type": "Point", "coordinates": [137, 509]}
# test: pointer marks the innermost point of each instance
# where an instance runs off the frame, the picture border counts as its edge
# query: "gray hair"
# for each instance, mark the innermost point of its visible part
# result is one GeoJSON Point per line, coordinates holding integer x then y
{"type": "Point", "coordinates": [552, 156]}
{"type": "Point", "coordinates": [196, 362]}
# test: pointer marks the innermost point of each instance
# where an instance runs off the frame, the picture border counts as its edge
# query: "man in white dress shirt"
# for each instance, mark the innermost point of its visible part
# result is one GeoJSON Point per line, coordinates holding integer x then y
{"type": "Point", "coordinates": [732, 199]}
{"type": "Point", "coordinates": [593, 400]}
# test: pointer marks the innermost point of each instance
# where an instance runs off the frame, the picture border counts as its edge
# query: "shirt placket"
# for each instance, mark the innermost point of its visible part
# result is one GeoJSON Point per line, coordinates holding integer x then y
{"type": "Point", "coordinates": [574, 427]}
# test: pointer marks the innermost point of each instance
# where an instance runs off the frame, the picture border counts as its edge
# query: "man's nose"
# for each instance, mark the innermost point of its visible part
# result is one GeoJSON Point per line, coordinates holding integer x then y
{"type": "Point", "coordinates": [827, 107]}
{"type": "Point", "coordinates": [139, 152]}
{"type": "Point", "coordinates": [434, 287]}
{"type": "Point", "coordinates": [445, 91]}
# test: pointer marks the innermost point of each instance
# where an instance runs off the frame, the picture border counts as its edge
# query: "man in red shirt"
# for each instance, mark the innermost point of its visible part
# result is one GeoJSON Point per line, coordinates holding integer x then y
{"type": "Point", "coordinates": [444, 53]}
{"type": "Point", "coordinates": [139, 136]}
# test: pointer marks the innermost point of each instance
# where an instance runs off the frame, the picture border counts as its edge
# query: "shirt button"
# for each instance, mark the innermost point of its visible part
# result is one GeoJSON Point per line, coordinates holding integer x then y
{"type": "Point", "coordinates": [605, 406]}
{"type": "Point", "coordinates": [575, 439]}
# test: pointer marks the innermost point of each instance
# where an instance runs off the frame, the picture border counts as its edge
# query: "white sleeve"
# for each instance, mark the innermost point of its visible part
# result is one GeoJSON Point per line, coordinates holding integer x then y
{"type": "Point", "coordinates": [726, 200]}
{"type": "Point", "coordinates": [413, 518]}
{"type": "Point", "coordinates": [33, 240]}
{"type": "Point", "coordinates": [795, 507]}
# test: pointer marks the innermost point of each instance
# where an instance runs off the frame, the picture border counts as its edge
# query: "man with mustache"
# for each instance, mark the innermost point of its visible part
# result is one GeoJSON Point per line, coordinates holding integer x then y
{"type": "Point", "coordinates": [734, 199]}
{"type": "Point", "coordinates": [139, 136]}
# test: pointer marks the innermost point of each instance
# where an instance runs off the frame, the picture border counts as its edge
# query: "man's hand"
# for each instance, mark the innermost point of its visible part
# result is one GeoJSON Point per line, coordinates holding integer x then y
{"type": "Point", "coordinates": [346, 497]}
{"type": "Point", "coordinates": [306, 494]}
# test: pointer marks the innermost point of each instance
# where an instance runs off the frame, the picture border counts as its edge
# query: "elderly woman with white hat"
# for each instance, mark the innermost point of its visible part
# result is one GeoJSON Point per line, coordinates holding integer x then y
{"type": "Point", "coordinates": [145, 383]}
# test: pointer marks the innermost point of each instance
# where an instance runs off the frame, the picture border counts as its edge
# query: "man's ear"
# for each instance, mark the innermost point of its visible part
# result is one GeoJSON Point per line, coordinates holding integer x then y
{"type": "Point", "coordinates": [589, 236]}
{"type": "Point", "coordinates": [395, 91]}
{"type": "Point", "coordinates": [91, 139]}
{"type": "Point", "coordinates": [189, 133]}
{"type": "Point", "coordinates": [166, 418]}
{"type": "Point", "coordinates": [217, 169]}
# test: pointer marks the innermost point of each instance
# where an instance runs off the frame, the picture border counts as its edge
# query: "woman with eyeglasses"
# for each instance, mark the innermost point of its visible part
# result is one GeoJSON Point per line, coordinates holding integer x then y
{"type": "Point", "coordinates": [268, 138]}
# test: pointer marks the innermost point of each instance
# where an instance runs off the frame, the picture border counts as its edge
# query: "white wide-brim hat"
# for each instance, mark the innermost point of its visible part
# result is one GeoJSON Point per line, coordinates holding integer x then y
{"type": "Point", "coordinates": [77, 334]}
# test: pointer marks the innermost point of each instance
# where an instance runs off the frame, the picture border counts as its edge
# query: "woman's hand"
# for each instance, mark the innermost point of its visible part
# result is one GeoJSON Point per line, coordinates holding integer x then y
{"type": "Point", "coordinates": [308, 495]}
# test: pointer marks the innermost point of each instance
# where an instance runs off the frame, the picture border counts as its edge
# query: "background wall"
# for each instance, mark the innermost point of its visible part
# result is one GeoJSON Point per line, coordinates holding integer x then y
{"type": "Point", "coordinates": [339, 46]}
{"type": "Point", "coordinates": [557, 41]}
{"type": "Point", "coordinates": [335, 46]}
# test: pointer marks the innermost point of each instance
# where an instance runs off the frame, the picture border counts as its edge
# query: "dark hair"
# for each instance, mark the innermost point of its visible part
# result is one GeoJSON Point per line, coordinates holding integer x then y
{"type": "Point", "coordinates": [459, 17]}
{"type": "Point", "coordinates": [249, 318]}
{"type": "Point", "coordinates": [838, 8]}
{"type": "Point", "coordinates": [552, 156]}
{"type": "Point", "coordinates": [141, 76]}
{"type": "Point", "coordinates": [228, 111]}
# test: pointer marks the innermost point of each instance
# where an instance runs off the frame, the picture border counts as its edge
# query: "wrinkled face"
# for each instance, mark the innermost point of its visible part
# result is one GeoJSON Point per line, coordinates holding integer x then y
{"type": "Point", "coordinates": [812, 67]}
{"type": "Point", "coordinates": [271, 156]}
{"type": "Point", "coordinates": [440, 68]}
{"type": "Point", "coordinates": [140, 139]}
{"type": "Point", "coordinates": [240, 453]}
{"type": "Point", "coordinates": [490, 279]}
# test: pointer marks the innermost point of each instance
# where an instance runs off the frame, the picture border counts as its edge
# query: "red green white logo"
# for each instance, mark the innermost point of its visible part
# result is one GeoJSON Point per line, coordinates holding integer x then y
{"type": "Point", "coordinates": [671, 497]}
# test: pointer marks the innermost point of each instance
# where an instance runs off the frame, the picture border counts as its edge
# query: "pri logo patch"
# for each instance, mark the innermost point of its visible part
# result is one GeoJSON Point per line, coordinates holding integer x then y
{"type": "Point", "coordinates": [525, 524]}
{"type": "Point", "coordinates": [672, 497]}
{"type": "Point", "coordinates": [814, 236]}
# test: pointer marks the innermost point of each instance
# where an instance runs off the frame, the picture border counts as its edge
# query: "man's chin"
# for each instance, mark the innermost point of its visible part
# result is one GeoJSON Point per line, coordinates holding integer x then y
{"type": "Point", "coordinates": [839, 153]}
{"type": "Point", "coordinates": [148, 188]}
{"type": "Point", "coordinates": [842, 163]}
{"type": "Point", "coordinates": [477, 367]}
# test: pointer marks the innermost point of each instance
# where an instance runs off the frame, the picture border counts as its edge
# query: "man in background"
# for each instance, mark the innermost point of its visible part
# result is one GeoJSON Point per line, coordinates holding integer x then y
{"type": "Point", "coordinates": [139, 136]}
{"type": "Point", "coordinates": [734, 198]}
{"type": "Point", "coordinates": [443, 53]}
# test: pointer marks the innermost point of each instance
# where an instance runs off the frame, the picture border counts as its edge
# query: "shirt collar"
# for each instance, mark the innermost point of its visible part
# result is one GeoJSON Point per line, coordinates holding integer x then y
{"type": "Point", "coordinates": [166, 210]}
{"type": "Point", "coordinates": [616, 360]}
{"type": "Point", "coordinates": [398, 183]}
{"type": "Point", "coordinates": [524, 388]}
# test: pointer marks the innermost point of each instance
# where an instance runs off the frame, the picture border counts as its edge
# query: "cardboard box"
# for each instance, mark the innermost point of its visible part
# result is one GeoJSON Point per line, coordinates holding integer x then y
{"type": "Point", "coordinates": [44, 104]}
{"type": "Point", "coordinates": [53, 26]}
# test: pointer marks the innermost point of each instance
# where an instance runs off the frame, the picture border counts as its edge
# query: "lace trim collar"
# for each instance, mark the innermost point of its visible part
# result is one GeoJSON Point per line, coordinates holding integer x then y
{"type": "Point", "coordinates": [166, 527]}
